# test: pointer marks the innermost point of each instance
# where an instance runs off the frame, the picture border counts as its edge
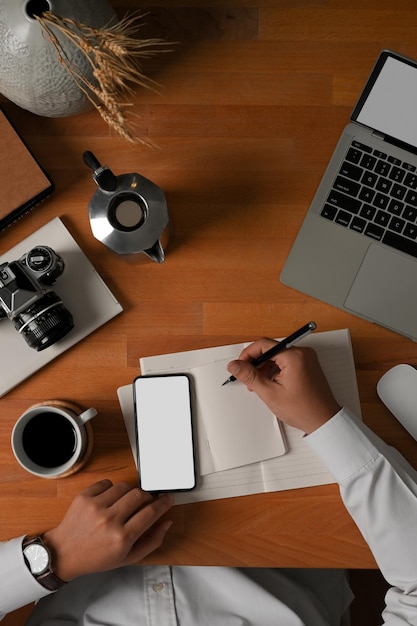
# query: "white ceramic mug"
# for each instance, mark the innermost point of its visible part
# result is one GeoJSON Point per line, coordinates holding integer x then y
{"type": "Point", "coordinates": [51, 440]}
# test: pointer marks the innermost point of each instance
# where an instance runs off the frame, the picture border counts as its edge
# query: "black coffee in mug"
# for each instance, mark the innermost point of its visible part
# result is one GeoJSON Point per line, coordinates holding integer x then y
{"type": "Point", "coordinates": [49, 439]}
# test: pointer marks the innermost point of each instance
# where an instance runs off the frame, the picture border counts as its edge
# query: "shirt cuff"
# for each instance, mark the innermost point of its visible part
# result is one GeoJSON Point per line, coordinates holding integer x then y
{"type": "Point", "coordinates": [344, 444]}
{"type": "Point", "coordinates": [18, 586]}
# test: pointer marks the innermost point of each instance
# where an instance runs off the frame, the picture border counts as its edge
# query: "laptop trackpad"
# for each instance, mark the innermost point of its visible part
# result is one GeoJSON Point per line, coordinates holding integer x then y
{"type": "Point", "coordinates": [385, 290]}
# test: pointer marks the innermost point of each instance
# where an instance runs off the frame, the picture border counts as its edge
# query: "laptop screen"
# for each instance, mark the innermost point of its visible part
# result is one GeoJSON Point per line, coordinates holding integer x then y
{"type": "Point", "coordinates": [388, 104]}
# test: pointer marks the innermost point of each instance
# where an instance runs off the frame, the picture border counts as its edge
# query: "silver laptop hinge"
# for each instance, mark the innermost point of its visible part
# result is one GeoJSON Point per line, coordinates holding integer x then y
{"type": "Point", "coordinates": [378, 135]}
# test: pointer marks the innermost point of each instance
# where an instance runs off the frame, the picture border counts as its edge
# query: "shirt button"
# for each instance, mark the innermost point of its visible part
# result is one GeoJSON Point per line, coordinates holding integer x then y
{"type": "Point", "coordinates": [158, 587]}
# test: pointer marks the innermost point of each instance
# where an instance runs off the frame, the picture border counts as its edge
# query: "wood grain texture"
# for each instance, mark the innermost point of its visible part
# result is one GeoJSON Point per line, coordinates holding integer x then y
{"type": "Point", "coordinates": [253, 97]}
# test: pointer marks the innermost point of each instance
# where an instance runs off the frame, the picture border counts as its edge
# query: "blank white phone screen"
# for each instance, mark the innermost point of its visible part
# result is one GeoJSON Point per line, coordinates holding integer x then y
{"type": "Point", "coordinates": [164, 429]}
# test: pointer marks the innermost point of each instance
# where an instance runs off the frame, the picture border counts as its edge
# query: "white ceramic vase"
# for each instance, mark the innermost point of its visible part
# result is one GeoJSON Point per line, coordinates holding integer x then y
{"type": "Point", "coordinates": [30, 72]}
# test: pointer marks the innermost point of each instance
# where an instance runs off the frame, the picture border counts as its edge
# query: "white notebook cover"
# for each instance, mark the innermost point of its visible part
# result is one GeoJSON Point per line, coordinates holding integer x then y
{"type": "Point", "coordinates": [83, 293]}
{"type": "Point", "coordinates": [234, 427]}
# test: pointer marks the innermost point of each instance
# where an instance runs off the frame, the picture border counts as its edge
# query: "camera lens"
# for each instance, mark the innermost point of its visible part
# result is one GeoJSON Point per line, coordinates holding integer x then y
{"type": "Point", "coordinates": [44, 322]}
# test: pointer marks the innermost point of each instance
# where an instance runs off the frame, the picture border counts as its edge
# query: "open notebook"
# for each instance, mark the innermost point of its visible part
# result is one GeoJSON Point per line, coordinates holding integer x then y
{"type": "Point", "coordinates": [299, 467]}
{"type": "Point", "coordinates": [83, 293]}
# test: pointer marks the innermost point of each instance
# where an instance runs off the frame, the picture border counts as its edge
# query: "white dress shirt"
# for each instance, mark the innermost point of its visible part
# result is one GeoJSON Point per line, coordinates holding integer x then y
{"type": "Point", "coordinates": [379, 489]}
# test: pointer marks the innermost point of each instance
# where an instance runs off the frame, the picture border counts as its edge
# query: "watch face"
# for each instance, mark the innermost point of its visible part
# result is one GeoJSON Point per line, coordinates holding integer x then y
{"type": "Point", "coordinates": [37, 557]}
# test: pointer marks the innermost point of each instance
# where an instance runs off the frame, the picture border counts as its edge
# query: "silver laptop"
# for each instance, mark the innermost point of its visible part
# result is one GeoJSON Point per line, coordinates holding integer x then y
{"type": "Point", "coordinates": [357, 246]}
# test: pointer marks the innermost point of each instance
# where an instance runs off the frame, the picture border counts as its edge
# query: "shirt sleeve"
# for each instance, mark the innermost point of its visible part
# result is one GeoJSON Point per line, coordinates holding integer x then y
{"type": "Point", "coordinates": [379, 489]}
{"type": "Point", "coordinates": [18, 586]}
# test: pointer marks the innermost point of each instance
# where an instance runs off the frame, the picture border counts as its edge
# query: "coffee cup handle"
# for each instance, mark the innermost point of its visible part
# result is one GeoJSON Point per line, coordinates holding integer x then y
{"type": "Point", "coordinates": [87, 415]}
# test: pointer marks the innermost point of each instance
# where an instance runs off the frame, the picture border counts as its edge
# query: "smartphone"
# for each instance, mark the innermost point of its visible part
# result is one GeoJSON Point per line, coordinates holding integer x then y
{"type": "Point", "coordinates": [164, 430]}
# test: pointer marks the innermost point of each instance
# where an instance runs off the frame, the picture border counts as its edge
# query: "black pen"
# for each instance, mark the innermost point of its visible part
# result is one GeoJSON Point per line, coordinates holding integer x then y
{"type": "Point", "coordinates": [280, 347]}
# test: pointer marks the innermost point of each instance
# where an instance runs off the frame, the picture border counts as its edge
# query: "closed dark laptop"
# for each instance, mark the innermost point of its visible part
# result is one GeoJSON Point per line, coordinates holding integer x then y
{"type": "Point", "coordinates": [357, 246]}
{"type": "Point", "coordinates": [23, 181]}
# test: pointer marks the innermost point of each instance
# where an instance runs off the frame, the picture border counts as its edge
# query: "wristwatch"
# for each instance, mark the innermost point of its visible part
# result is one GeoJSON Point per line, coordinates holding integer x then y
{"type": "Point", "coordinates": [38, 559]}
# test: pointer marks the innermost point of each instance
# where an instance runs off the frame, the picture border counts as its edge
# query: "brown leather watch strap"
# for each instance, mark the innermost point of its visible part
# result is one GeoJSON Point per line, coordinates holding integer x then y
{"type": "Point", "coordinates": [49, 580]}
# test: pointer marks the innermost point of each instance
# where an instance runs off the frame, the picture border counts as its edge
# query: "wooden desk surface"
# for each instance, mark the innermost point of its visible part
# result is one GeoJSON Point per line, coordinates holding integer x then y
{"type": "Point", "coordinates": [253, 99]}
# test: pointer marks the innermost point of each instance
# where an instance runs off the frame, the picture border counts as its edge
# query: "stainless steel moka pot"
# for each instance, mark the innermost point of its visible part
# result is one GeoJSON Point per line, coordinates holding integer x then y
{"type": "Point", "coordinates": [128, 213]}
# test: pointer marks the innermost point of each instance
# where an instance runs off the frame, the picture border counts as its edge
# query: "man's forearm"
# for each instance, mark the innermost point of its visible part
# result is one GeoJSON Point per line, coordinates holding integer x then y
{"type": "Point", "coordinates": [18, 587]}
{"type": "Point", "coordinates": [379, 489]}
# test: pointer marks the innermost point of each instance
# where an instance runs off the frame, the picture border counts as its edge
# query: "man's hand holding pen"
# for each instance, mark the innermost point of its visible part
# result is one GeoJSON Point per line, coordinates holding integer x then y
{"type": "Point", "coordinates": [296, 390]}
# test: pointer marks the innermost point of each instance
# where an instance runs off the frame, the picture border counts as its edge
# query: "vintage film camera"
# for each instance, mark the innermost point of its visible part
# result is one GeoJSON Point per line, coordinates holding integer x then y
{"type": "Point", "coordinates": [27, 299]}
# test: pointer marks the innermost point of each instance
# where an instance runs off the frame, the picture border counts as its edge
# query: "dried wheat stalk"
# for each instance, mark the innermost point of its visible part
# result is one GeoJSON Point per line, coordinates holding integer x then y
{"type": "Point", "coordinates": [115, 57]}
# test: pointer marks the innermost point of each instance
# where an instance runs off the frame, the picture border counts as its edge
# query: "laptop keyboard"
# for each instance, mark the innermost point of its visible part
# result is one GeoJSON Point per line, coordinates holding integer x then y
{"type": "Point", "coordinates": [376, 194]}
